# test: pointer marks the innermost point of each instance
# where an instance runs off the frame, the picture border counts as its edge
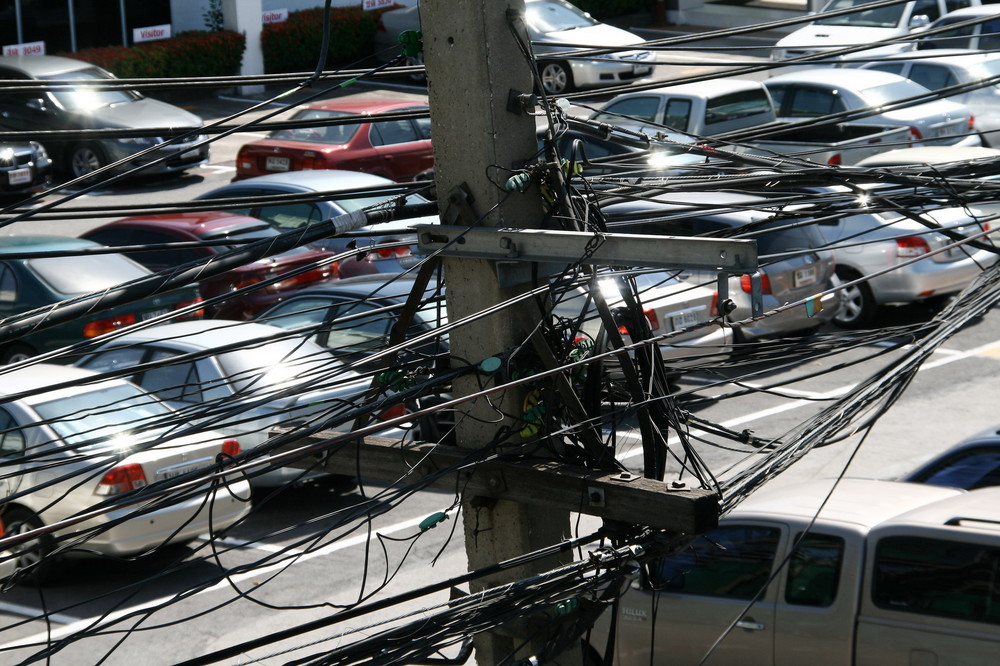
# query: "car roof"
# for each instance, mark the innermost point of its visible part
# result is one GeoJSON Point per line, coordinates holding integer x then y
{"type": "Point", "coordinates": [203, 333]}
{"type": "Point", "coordinates": [365, 105]}
{"type": "Point", "coordinates": [205, 223]}
{"type": "Point", "coordinates": [850, 78]}
{"type": "Point", "coordinates": [44, 65]}
{"type": "Point", "coordinates": [865, 502]}
{"type": "Point", "coordinates": [714, 87]}
{"type": "Point", "coordinates": [365, 285]}
{"type": "Point", "coordinates": [948, 56]}
{"type": "Point", "coordinates": [14, 245]}
{"type": "Point", "coordinates": [977, 506]}
{"type": "Point", "coordinates": [929, 155]}
{"type": "Point", "coordinates": [40, 376]}
{"type": "Point", "coordinates": [969, 12]}
{"type": "Point", "coordinates": [311, 181]}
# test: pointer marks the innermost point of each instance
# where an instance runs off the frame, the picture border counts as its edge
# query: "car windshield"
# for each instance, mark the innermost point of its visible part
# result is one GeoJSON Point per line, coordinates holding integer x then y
{"type": "Point", "coordinates": [86, 274]}
{"type": "Point", "coordinates": [878, 17]}
{"type": "Point", "coordinates": [262, 367]}
{"type": "Point", "coordinates": [892, 92]}
{"type": "Point", "coordinates": [84, 97]}
{"type": "Point", "coordinates": [335, 134]}
{"type": "Point", "coordinates": [555, 16]}
{"type": "Point", "coordinates": [105, 416]}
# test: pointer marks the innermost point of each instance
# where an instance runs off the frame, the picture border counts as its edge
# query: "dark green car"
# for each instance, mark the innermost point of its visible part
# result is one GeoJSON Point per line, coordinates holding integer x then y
{"type": "Point", "coordinates": [30, 283]}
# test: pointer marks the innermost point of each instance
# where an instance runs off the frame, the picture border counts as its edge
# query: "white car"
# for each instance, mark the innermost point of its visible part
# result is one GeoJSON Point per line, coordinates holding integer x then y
{"type": "Point", "coordinates": [984, 35]}
{"type": "Point", "coordinates": [240, 378]}
{"type": "Point", "coordinates": [820, 91]}
{"type": "Point", "coordinates": [91, 442]}
{"type": "Point", "coordinates": [942, 68]}
{"type": "Point", "coordinates": [867, 25]}
{"type": "Point", "coordinates": [554, 26]}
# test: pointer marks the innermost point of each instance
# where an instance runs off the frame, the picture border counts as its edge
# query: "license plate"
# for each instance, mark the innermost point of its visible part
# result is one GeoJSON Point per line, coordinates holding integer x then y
{"type": "Point", "coordinates": [277, 164]}
{"type": "Point", "coordinates": [19, 176]}
{"type": "Point", "coordinates": [173, 472]}
{"type": "Point", "coordinates": [155, 313]}
{"type": "Point", "coordinates": [683, 319]}
{"type": "Point", "coordinates": [805, 276]}
{"type": "Point", "coordinates": [640, 70]}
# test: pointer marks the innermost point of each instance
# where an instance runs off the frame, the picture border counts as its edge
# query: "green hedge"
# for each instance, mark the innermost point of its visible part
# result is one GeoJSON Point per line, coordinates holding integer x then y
{"type": "Point", "coordinates": [294, 45]}
{"type": "Point", "coordinates": [605, 9]}
{"type": "Point", "coordinates": [186, 55]}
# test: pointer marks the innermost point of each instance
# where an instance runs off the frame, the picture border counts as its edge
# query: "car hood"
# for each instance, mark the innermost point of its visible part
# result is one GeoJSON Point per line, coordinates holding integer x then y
{"type": "Point", "coordinates": [593, 36]}
{"type": "Point", "coordinates": [824, 37]}
{"type": "Point", "coordinates": [142, 114]}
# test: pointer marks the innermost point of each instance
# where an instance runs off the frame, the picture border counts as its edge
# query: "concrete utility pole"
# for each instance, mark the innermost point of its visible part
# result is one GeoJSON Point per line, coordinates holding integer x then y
{"type": "Point", "coordinates": [473, 62]}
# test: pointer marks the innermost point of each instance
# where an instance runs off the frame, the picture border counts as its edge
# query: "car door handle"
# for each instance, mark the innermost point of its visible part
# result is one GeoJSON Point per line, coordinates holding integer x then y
{"type": "Point", "coordinates": [750, 625]}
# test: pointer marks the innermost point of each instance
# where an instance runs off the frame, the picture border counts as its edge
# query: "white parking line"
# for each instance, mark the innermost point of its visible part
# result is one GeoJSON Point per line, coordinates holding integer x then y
{"type": "Point", "coordinates": [78, 625]}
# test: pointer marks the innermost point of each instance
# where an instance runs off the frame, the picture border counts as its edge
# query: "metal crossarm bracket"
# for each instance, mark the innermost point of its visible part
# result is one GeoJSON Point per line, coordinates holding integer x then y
{"type": "Point", "coordinates": [545, 245]}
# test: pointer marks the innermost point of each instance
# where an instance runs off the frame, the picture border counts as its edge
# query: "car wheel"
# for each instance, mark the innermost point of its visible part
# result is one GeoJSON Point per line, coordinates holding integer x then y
{"type": "Point", "coordinates": [858, 305]}
{"type": "Point", "coordinates": [556, 77]}
{"type": "Point", "coordinates": [15, 353]}
{"type": "Point", "coordinates": [34, 561]}
{"type": "Point", "coordinates": [84, 159]}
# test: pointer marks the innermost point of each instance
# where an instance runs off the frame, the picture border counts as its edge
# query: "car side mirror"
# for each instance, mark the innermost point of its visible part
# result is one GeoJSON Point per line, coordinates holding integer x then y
{"type": "Point", "coordinates": [919, 21]}
{"type": "Point", "coordinates": [37, 104]}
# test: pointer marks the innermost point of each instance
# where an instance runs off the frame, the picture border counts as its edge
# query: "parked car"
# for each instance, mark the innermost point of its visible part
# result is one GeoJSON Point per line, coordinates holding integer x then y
{"type": "Point", "coordinates": [92, 440]}
{"type": "Point", "coordinates": [239, 378]}
{"type": "Point", "coordinates": [312, 184]}
{"type": "Point", "coordinates": [800, 268]}
{"type": "Point", "coordinates": [867, 25]}
{"type": "Point", "coordinates": [816, 92]}
{"type": "Point", "coordinates": [554, 27]}
{"type": "Point", "coordinates": [968, 159]}
{"type": "Point", "coordinates": [39, 282]}
{"type": "Point", "coordinates": [971, 464]}
{"type": "Point", "coordinates": [984, 36]}
{"type": "Point", "coordinates": [153, 230]}
{"type": "Point", "coordinates": [954, 67]}
{"type": "Point", "coordinates": [395, 149]}
{"type": "Point", "coordinates": [85, 107]}
{"type": "Point", "coordinates": [868, 243]}
{"type": "Point", "coordinates": [874, 572]}
{"type": "Point", "coordinates": [25, 168]}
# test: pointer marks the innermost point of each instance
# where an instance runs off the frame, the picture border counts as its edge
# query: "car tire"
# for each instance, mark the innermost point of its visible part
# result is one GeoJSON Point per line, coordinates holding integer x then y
{"type": "Point", "coordinates": [416, 61]}
{"type": "Point", "coordinates": [556, 76]}
{"type": "Point", "coordinates": [15, 353]}
{"type": "Point", "coordinates": [858, 305]}
{"type": "Point", "coordinates": [85, 158]}
{"type": "Point", "coordinates": [34, 558]}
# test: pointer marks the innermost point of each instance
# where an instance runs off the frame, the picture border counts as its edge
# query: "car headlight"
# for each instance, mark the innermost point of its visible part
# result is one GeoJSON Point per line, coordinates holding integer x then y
{"type": "Point", "coordinates": [41, 155]}
{"type": "Point", "coordinates": [6, 156]}
{"type": "Point", "coordinates": [139, 140]}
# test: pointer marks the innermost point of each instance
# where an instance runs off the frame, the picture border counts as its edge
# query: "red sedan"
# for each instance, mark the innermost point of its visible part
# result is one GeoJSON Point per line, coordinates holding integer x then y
{"type": "Point", "coordinates": [395, 149]}
{"type": "Point", "coordinates": [216, 226]}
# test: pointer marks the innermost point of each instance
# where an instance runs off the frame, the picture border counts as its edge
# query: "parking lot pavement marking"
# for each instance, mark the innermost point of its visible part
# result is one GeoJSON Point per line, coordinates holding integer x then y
{"type": "Point", "coordinates": [993, 351]}
{"type": "Point", "coordinates": [28, 611]}
{"type": "Point", "coordinates": [109, 619]}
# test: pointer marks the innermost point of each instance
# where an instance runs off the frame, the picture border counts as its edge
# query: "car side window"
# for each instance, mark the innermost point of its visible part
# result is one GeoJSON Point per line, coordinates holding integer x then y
{"type": "Point", "coordinates": [290, 216]}
{"type": "Point", "coordinates": [177, 381]}
{"type": "Point", "coordinates": [952, 5]}
{"type": "Point", "coordinates": [298, 313]}
{"type": "Point", "coordinates": [640, 108]}
{"type": "Point", "coordinates": [989, 35]}
{"type": "Point", "coordinates": [423, 127]}
{"type": "Point", "coordinates": [392, 132]}
{"type": "Point", "coordinates": [814, 570]}
{"type": "Point", "coordinates": [938, 577]}
{"type": "Point", "coordinates": [677, 114]}
{"type": "Point", "coordinates": [932, 77]}
{"type": "Point", "coordinates": [11, 436]}
{"type": "Point", "coordinates": [891, 67]}
{"type": "Point", "coordinates": [358, 326]}
{"type": "Point", "coordinates": [733, 562]}
{"type": "Point", "coordinates": [959, 38]}
{"type": "Point", "coordinates": [8, 284]}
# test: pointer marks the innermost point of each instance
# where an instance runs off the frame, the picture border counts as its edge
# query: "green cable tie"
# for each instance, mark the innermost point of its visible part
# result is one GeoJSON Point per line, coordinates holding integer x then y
{"type": "Point", "coordinates": [433, 520]}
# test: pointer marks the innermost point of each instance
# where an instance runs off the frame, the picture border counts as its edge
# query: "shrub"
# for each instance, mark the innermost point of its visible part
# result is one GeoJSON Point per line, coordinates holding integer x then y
{"type": "Point", "coordinates": [186, 55]}
{"type": "Point", "coordinates": [294, 45]}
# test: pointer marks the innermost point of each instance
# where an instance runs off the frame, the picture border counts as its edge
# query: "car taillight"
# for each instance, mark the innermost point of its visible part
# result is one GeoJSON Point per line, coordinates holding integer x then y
{"type": "Point", "coordinates": [972, 123]}
{"type": "Point", "coordinates": [835, 160]}
{"type": "Point", "coordinates": [312, 161]}
{"type": "Point", "coordinates": [747, 285]}
{"type": "Point", "coordinates": [654, 323]}
{"type": "Point", "coordinates": [194, 314]}
{"type": "Point", "coordinates": [714, 310]}
{"type": "Point", "coordinates": [391, 252]}
{"type": "Point", "coordinates": [102, 326]}
{"type": "Point", "coordinates": [915, 134]}
{"type": "Point", "coordinates": [315, 275]}
{"type": "Point", "coordinates": [121, 479]}
{"type": "Point", "coordinates": [394, 412]}
{"type": "Point", "coordinates": [231, 448]}
{"type": "Point", "coordinates": [911, 246]}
